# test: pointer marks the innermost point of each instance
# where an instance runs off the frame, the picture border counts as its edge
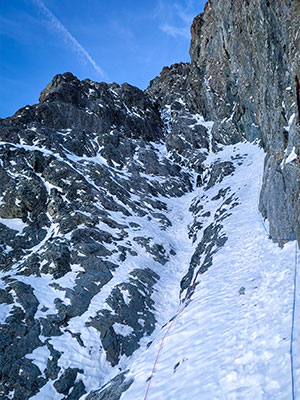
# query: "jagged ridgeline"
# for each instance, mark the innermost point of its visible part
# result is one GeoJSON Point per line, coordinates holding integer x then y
{"type": "Point", "coordinates": [91, 182]}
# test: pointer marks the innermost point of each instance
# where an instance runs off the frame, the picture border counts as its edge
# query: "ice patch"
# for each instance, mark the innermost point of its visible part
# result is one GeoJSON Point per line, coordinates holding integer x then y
{"type": "Point", "coordinates": [126, 296]}
{"type": "Point", "coordinates": [4, 311]}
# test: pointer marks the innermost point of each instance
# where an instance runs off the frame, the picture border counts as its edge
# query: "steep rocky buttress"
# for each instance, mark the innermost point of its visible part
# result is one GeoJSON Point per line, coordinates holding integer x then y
{"type": "Point", "coordinates": [90, 180]}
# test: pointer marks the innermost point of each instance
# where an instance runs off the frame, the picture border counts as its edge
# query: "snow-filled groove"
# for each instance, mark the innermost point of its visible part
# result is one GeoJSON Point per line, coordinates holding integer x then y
{"type": "Point", "coordinates": [161, 346]}
{"type": "Point", "coordinates": [172, 322]}
{"type": "Point", "coordinates": [232, 339]}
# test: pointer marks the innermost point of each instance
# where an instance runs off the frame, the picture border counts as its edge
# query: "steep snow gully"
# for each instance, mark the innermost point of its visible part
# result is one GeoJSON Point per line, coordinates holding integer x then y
{"type": "Point", "coordinates": [232, 340]}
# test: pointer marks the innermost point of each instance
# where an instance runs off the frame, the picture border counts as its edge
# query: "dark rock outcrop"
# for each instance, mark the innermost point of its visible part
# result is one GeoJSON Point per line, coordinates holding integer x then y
{"type": "Point", "coordinates": [245, 65]}
{"type": "Point", "coordinates": [112, 390]}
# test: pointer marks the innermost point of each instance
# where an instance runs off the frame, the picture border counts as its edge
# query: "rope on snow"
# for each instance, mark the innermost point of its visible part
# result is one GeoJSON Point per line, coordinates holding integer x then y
{"type": "Point", "coordinates": [293, 323]}
{"type": "Point", "coordinates": [185, 302]}
{"type": "Point", "coordinates": [189, 294]}
{"type": "Point", "coordinates": [294, 303]}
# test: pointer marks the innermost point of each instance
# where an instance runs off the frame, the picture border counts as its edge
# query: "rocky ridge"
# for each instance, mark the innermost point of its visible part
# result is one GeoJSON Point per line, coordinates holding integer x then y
{"type": "Point", "coordinates": [90, 178]}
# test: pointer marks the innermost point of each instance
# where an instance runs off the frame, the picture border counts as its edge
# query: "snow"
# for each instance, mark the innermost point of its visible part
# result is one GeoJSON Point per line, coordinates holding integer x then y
{"type": "Point", "coordinates": [50, 186]}
{"type": "Point", "coordinates": [90, 357]}
{"type": "Point", "coordinates": [38, 356]}
{"type": "Point", "coordinates": [45, 293]}
{"type": "Point", "coordinates": [126, 296]}
{"type": "Point", "coordinates": [13, 223]}
{"type": "Point", "coordinates": [292, 156]}
{"type": "Point", "coordinates": [47, 392]}
{"type": "Point", "coordinates": [290, 122]}
{"type": "Point", "coordinates": [226, 344]}
{"type": "Point", "coordinates": [113, 91]}
{"type": "Point", "coordinates": [4, 311]}
{"type": "Point", "coordinates": [97, 159]}
{"type": "Point", "coordinates": [123, 330]}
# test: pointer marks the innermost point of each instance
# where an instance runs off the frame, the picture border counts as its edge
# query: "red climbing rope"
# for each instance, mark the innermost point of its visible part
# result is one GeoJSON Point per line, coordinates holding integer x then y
{"type": "Point", "coordinates": [189, 294]}
{"type": "Point", "coordinates": [159, 351]}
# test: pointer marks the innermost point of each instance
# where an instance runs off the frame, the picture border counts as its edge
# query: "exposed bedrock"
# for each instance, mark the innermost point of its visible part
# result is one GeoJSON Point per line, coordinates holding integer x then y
{"type": "Point", "coordinates": [243, 76]}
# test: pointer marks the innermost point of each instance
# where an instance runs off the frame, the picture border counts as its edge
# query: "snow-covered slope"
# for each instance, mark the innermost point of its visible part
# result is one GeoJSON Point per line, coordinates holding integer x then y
{"type": "Point", "coordinates": [232, 340]}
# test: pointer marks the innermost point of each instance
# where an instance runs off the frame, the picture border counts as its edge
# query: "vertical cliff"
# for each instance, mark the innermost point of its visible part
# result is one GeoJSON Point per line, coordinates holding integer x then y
{"type": "Point", "coordinates": [248, 56]}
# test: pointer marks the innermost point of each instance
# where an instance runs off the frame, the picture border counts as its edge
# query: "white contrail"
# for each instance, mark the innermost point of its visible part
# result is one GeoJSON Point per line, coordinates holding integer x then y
{"type": "Point", "coordinates": [68, 36]}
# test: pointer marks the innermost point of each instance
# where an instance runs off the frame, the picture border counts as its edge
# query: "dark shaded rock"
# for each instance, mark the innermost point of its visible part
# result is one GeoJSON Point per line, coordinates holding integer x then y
{"type": "Point", "coordinates": [136, 312]}
{"type": "Point", "coordinates": [247, 78]}
{"type": "Point", "coordinates": [52, 368]}
{"type": "Point", "coordinates": [26, 298]}
{"type": "Point", "coordinates": [5, 297]}
{"type": "Point", "coordinates": [79, 167]}
{"type": "Point", "coordinates": [26, 380]}
{"type": "Point", "coordinates": [17, 372]}
{"type": "Point", "coordinates": [58, 258]}
{"type": "Point", "coordinates": [113, 389]}
{"type": "Point", "coordinates": [217, 173]}
{"type": "Point", "coordinates": [75, 170]}
{"type": "Point", "coordinates": [242, 290]}
{"type": "Point", "coordinates": [240, 55]}
{"type": "Point", "coordinates": [213, 238]}
{"type": "Point", "coordinates": [66, 380]}
{"type": "Point", "coordinates": [77, 392]}
{"type": "Point", "coordinates": [65, 93]}
{"type": "Point", "coordinates": [157, 250]}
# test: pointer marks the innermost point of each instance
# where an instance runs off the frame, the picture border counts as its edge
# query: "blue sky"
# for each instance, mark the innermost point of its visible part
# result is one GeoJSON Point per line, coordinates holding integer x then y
{"type": "Point", "coordinates": [104, 40]}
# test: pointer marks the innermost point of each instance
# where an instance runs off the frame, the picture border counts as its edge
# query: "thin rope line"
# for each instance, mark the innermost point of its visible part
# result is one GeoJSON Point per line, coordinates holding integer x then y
{"type": "Point", "coordinates": [270, 236]}
{"type": "Point", "coordinates": [293, 324]}
{"type": "Point", "coordinates": [162, 345]}
{"type": "Point", "coordinates": [263, 223]}
{"type": "Point", "coordinates": [184, 303]}
{"type": "Point", "coordinates": [294, 306]}
{"type": "Point", "coordinates": [189, 294]}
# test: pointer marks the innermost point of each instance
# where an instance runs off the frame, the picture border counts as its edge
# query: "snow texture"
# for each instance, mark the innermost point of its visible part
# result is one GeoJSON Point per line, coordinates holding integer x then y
{"type": "Point", "coordinates": [232, 341]}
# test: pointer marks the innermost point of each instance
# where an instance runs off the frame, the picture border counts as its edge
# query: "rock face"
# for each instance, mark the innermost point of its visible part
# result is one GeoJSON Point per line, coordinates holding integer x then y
{"type": "Point", "coordinates": [87, 181]}
{"type": "Point", "coordinates": [248, 57]}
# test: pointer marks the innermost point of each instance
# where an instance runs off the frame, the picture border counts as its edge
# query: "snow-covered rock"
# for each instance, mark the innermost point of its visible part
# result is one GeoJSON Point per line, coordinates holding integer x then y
{"type": "Point", "coordinates": [130, 236]}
